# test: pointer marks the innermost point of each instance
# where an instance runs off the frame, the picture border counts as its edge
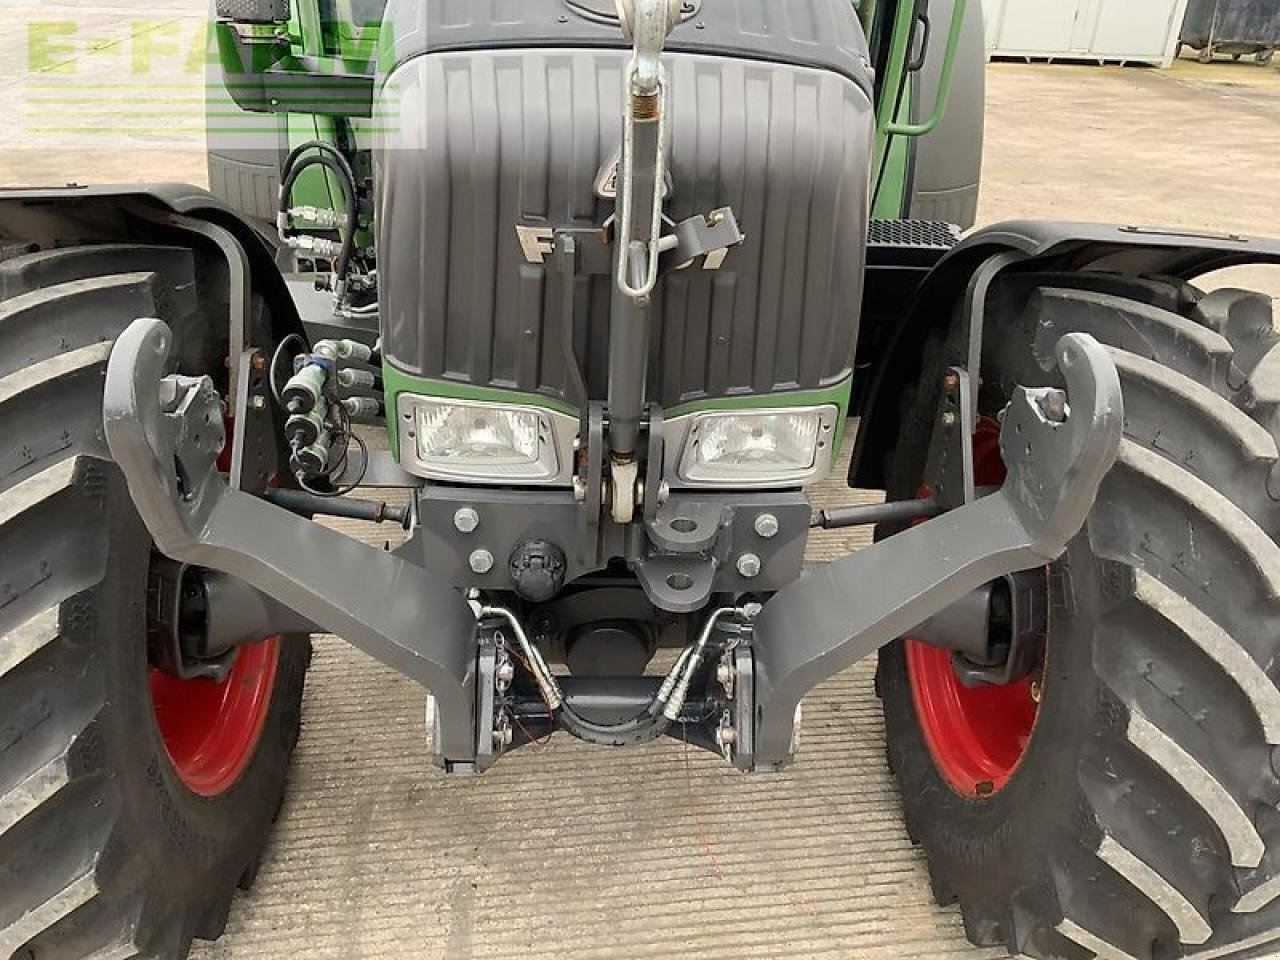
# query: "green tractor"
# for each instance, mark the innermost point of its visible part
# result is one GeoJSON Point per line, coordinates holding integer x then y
{"type": "Point", "coordinates": [618, 282]}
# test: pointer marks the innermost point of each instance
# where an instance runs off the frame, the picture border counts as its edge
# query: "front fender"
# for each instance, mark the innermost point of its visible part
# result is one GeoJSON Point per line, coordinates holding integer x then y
{"type": "Point", "coordinates": [1028, 245]}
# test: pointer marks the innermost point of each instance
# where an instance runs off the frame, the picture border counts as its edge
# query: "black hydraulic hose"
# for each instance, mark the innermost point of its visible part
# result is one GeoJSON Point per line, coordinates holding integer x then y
{"type": "Point", "coordinates": [323, 146]}
{"type": "Point", "coordinates": [647, 727]}
{"type": "Point", "coordinates": [332, 158]}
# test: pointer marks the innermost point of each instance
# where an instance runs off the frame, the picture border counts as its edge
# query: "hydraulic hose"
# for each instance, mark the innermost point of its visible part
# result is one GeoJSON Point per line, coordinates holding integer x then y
{"type": "Point", "coordinates": [662, 711]}
{"type": "Point", "coordinates": [330, 157]}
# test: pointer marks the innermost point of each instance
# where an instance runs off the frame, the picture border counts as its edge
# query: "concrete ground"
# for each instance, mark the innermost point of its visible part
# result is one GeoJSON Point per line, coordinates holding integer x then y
{"type": "Point", "coordinates": [576, 852]}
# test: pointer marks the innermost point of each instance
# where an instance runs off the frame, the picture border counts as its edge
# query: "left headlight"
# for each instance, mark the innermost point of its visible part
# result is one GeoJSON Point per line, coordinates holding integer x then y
{"type": "Point", "coordinates": [467, 441]}
{"type": "Point", "coordinates": [758, 447]}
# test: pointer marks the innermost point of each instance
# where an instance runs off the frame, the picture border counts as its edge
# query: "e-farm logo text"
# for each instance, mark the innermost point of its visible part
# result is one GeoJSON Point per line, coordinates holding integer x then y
{"type": "Point", "coordinates": [111, 78]}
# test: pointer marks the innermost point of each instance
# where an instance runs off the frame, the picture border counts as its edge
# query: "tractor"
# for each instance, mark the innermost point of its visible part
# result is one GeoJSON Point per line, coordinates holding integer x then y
{"type": "Point", "coordinates": [585, 296]}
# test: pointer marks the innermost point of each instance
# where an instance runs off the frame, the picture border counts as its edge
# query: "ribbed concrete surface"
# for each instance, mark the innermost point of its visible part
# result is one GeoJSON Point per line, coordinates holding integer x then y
{"type": "Point", "coordinates": [575, 851]}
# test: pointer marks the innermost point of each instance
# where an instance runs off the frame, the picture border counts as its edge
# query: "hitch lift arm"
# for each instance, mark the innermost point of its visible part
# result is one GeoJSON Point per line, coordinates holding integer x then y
{"type": "Point", "coordinates": [1057, 455]}
{"type": "Point", "coordinates": [165, 434]}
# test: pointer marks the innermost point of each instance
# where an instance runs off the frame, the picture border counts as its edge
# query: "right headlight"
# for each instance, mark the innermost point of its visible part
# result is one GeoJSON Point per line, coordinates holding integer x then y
{"type": "Point", "coordinates": [780, 447]}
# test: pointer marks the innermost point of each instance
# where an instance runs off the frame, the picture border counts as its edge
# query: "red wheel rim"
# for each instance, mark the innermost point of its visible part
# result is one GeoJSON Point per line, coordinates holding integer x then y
{"type": "Point", "coordinates": [210, 729]}
{"type": "Point", "coordinates": [977, 736]}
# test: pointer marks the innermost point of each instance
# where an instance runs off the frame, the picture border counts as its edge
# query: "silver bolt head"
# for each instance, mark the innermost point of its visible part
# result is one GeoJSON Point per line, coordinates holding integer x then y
{"type": "Point", "coordinates": [749, 565]}
{"type": "Point", "coordinates": [726, 736]}
{"type": "Point", "coordinates": [466, 520]}
{"type": "Point", "coordinates": [481, 561]}
{"type": "Point", "coordinates": [503, 735]}
{"type": "Point", "coordinates": [506, 672]}
{"type": "Point", "coordinates": [767, 526]}
{"type": "Point", "coordinates": [258, 403]}
{"type": "Point", "coordinates": [724, 674]}
{"type": "Point", "coordinates": [948, 419]}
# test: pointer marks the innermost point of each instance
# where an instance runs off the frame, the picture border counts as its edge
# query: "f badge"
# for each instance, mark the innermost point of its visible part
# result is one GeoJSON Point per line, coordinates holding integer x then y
{"type": "Point", "coordinates": [538, 243]}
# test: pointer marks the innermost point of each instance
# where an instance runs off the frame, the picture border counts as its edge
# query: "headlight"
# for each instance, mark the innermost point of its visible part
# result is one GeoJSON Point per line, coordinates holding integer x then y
{"type": "Point", "coordinates": [758, 447]}
{"type": "Point", "coordinates": [460, 440]}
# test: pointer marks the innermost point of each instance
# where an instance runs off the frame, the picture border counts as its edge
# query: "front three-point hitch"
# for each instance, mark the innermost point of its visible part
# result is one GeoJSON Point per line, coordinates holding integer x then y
{"type": "Point", "coordinates": [736, 688]}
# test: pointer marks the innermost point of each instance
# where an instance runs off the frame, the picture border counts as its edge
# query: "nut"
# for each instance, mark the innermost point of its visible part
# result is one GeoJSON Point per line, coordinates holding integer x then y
{"type": "Point", "coordinates": [466, 520]}
{"type": "Point", "coordinates": [257, 403]}
{"type": "Point", "coordinates": [948, 419]}
{"type": "Point", "coordinates": [749, 565]}
{"type": "Point", "coordinates": [481, 561]}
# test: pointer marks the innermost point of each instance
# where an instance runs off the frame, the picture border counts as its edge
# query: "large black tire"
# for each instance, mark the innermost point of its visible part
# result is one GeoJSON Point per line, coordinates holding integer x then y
{"type": "Point", "coordinates": [1142, 820]}
{"type": "Point", "coordinates": [103, 849]}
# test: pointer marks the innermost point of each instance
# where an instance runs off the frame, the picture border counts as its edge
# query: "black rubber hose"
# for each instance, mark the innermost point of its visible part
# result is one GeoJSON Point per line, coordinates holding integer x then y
{"type": "Point", "coordinates": [330, 157]}
{"type": "Point", "coordinates": [323, 146]}
{"type": "Point", "coordinates": [647, 727]}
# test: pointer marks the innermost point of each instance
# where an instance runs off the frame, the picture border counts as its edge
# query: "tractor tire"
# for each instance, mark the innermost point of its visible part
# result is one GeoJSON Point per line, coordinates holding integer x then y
{"type": "Point", "coordinates": [1134, 814]}
{"type": "Point", "coordinates": [114, 840]}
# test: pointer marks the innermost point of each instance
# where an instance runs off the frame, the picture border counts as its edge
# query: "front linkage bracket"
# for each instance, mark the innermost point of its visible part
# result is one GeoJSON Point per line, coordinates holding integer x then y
{"type": "Point", "coordinates": [1057, 456]}
{"type": "Point", "coordinates": [165, 434]}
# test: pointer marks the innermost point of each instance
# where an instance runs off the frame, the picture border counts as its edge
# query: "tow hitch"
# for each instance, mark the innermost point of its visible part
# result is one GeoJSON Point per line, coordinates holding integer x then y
{"type": "Point", "coordinates": [736, 689]}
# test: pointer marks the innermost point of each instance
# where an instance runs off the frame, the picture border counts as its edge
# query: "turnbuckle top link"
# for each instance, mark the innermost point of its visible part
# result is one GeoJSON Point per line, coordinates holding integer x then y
{"type": "Point", "coordinates": [647, 22]}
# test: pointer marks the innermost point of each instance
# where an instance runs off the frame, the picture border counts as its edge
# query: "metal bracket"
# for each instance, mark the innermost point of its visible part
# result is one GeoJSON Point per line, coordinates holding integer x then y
{"type": "Point", "coordinates": [165, 434]}
{"type": "Point", "coordinates": [842, 611]}
{"type": "Point", "coordinates": [253, 441]}
{"type": "Point", "coordinates": [654, 493]}
{"type": "Point", "coordinates": [710, 236]}
{"type": "Point", "coordinates": [949, 472]}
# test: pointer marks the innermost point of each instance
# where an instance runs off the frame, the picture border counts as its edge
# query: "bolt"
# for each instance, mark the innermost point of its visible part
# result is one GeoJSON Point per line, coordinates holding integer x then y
{"type": "Point", "coordinates": [257, 403]}
{"type": "Point", "coordinates": [506, 672]}
{"type": "Point", "coordinates": [767, 526]}
{"type": "Point", "coordinates": [466, 520]}
{"type": "Point", "coordinates": [724, 675]}
{"type": "Point", "coordinates": [664, 492]}
{"type": "Point", "coordinates": [726, 736]}
{"type": "Point", "coordinates": [502, 736]}
{"type": "Point", "coordinates": [948, 419]}
{"type": "Point", "coordinates": [258, 363]}
{"type": "Point", "coordinates": [749, 565]}
{"type": "Point", "coordinates": [1036, 691]}
{"type": "Point", "coordinates": [1053, 404]}
{"type": "Point", "coordinates": [951, 381]}
{"type": "Point", "coordinates": [481, 561]}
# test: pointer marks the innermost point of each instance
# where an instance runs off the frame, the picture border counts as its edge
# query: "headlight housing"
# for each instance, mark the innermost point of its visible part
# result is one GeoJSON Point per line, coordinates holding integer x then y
{"type": "Point", "coordinates": [755, 448]}
{"type": "Point", "coordinates": [467, 441]}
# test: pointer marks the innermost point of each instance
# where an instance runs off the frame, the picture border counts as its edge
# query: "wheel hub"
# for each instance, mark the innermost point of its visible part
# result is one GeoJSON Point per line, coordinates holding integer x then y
{"type": "Point", "coordinates": [977, 734]}
{"type": "Point", "coordinates": [210, 729]}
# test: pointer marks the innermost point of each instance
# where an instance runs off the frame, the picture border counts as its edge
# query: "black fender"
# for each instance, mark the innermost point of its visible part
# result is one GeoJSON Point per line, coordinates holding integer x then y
{"type": "Point", "coordinates": [142, 212]}
{"type": "Point", "coordinates": [1027, 245]}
